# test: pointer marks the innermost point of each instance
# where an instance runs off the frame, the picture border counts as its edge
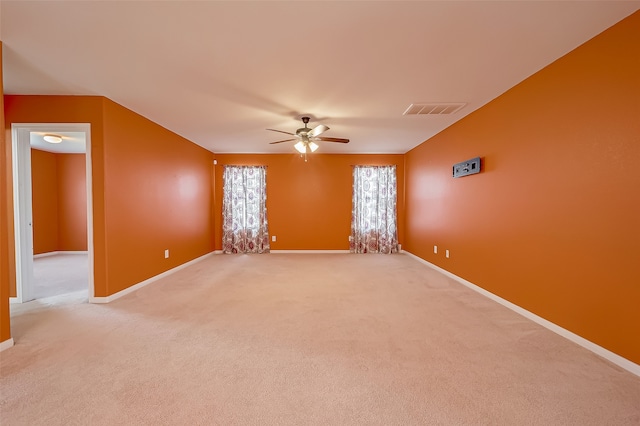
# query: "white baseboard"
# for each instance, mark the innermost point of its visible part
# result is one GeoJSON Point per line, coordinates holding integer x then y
{"type": "Point", "coordinates": [310, 251]}
{"type": "Point", "coordinates": [47, 254]}
{"type": "Point", "coordinates": [299, 251]}
{"type": "Point", "coordinates": [53, 253]}
{"type": "Point", "coordinates": [587, 344]}
{"type": "Point", "coordinates": [148, 281]}
{"type": "Point", "coordinates": [6, 344]}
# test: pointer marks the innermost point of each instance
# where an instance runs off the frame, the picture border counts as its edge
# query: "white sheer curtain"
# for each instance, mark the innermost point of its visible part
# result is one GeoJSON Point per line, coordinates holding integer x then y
{"type": "Point", "coordinates": [244, 210]}
{"type": "Point", "coordinates": [373, 217]}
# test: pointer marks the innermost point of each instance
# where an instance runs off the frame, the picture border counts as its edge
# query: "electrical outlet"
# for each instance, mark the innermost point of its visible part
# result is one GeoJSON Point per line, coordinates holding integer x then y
{"type": "Point", "coordinates": [166, 254]}
{"type": "Point", "coordinates": [273, 238]}
{"type": "Point", "coordinates": [446, 253]}
{"type": "Point", "coordinates": [435, 249]}
{"type": "Point", "coordinates": [466, 168]}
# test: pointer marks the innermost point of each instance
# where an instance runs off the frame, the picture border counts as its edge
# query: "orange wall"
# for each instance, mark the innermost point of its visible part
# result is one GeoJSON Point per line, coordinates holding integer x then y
{"type": "Point", "coordinates": [59, 201]}
{"type": "Point", "coordinates": [308, 204]}
{"type": "Point", "coordinates": [151, 187]}
{"type": "Point", "coordinates": [6, 223]}
{"type": "Point", "coordinates": [72, 202]}
{"type": "Point", "coordinates": [552, 222]}
{"type": "Point", "coordinates": [71, 109]}
{"type": "Point", "coordinates": [158, 195]}
{"type": "Point", "coordinates": [44, 183]}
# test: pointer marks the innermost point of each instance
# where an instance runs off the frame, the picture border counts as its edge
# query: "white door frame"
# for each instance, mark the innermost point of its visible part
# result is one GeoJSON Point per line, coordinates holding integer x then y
{"type": "Point", "coordinates": [22, 204]}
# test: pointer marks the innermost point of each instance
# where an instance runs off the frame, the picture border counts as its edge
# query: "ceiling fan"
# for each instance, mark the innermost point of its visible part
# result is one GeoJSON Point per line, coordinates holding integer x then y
{"type": "Point", "coordinates": [308, 137]}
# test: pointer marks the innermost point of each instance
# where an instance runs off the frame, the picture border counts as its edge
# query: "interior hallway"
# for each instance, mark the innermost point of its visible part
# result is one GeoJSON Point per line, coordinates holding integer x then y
{"type": "Point", "coordinates": [60, 278]}
{"type": "Point", "coordinates": [59, 274]}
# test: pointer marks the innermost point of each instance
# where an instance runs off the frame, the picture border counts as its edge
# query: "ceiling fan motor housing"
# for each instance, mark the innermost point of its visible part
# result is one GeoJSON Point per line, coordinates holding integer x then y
{"type": "Point", "coordinates": [303, 131]}
{"type": "Point", "coordinates": [306, 134]}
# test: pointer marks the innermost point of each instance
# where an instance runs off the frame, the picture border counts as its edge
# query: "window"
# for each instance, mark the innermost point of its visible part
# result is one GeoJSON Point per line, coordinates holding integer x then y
{"type": "Point", "coordinates": [244, 210]}
{"type": "Point", "coordinates": [373, 216]}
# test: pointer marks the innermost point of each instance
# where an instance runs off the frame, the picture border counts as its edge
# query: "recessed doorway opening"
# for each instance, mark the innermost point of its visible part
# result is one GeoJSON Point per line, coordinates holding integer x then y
{"type": "Point", "coordinates": [58, 270]}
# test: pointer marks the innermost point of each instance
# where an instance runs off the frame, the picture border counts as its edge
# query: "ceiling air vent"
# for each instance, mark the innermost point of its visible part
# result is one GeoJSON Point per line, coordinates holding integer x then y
{"type": "Point", "coordinates": [433, 109]}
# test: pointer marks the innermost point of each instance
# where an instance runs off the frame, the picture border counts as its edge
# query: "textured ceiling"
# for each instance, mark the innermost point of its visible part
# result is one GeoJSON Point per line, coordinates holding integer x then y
{"type": "Point", "coordinates": [220, 73]}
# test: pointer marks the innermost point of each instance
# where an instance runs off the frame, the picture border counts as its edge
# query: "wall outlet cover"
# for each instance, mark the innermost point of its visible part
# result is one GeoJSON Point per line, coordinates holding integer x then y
{"type": "Point", "coordinates": [466, 168]}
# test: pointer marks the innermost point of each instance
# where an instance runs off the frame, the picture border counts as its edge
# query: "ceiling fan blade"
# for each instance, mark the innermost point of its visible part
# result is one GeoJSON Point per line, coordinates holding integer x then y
{"type": "Point", "coordinates": [318, 130]}
{"type": "Point", "coordinates": [340, 140]}
{"type": "Point", "coordinates": [280, 131]}
{"type": "Point", "coordinates": [286, 140]}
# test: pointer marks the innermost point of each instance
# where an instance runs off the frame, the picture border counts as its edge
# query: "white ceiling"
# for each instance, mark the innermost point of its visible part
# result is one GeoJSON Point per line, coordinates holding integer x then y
{"type": "Point", "coordinates": [220, 73]}
{"type": "Point", "coordinates": [72, 142]}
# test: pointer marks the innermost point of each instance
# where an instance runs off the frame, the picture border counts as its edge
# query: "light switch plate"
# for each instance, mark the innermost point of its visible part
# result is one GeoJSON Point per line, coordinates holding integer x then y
{"type": "Point", "coordinates": [469, 167]}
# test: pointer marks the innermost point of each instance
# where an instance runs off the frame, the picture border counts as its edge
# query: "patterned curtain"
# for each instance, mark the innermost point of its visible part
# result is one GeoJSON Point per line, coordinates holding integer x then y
{"type": "Point", "coordinates": [244, 210]}
{"type": "Point", "coordinates": [373, 216]}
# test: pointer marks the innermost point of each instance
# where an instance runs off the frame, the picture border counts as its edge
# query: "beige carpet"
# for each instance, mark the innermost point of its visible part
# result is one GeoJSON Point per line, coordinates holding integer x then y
{"type": "Point", "coordinates": [291, 339]}
{"type": "Point", "coordinates": [60, 273]}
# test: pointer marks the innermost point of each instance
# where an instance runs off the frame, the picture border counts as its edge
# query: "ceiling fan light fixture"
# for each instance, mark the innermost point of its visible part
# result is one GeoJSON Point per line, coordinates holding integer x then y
{"type": "Point", "coordinates": [305, 137]}
{"type": "Point", "coordinates": [300, 147]}
{"type": "Point", "coordinates": [52, 138]}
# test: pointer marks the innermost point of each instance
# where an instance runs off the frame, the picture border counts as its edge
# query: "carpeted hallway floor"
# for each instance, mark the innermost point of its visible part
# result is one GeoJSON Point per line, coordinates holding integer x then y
{"type": "Point", "coordinates": [60, 273]}
{"type": "Point", "coordinates": [303, 339]}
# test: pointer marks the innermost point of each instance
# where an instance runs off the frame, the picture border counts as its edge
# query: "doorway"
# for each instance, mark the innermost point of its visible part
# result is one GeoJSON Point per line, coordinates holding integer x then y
{"type": "Point", "coordinates": [23, 207]}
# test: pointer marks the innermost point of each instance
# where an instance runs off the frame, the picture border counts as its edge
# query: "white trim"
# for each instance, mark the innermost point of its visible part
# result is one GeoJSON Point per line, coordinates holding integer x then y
{"type": "Point", "coordinates": [53, 253]}
{"type": "Point", "coordinates": [310, 251]}
{"type": "Point", "coordinates": [47, 254]}
{"type": "Point", "coordinates": [587, 344]}
{"type": "Point", "coordinates": [111, 298]}
{"type": "Point", "coordinates": [89, 183]}
{"type": "Point", "coordinates": [297, 251]}
{"type": "Point", "coordinates": [23, 215]}
{"type": "Point", "coordinates": [22, 212]}
{"type": "Point", "coordinates": [6, 344]}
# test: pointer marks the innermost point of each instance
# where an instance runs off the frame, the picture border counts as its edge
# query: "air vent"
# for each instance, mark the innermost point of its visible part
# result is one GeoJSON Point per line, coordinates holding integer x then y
{"type": "Point", "coordinates": [433, 109]}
